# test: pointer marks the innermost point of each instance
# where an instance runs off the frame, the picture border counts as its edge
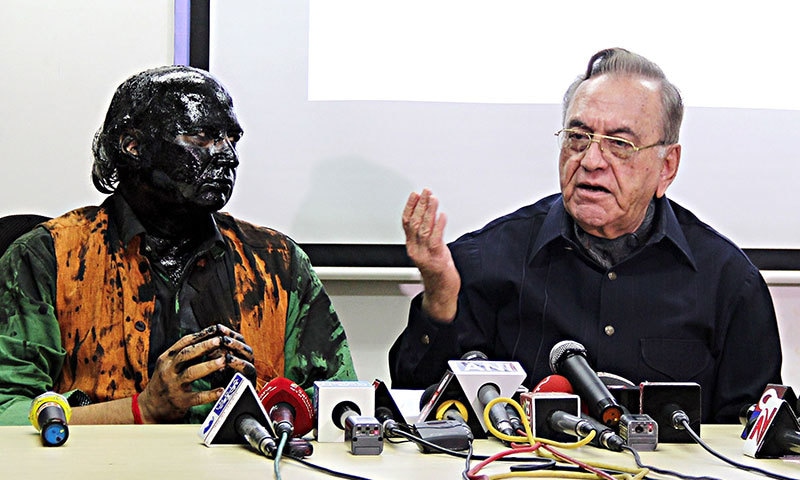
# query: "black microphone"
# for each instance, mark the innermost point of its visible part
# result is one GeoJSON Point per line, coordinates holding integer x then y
{"type": "Point", "coordinates": [605, 436]}
{"type": "Point", "coordinates": [503, 416]}
{"type": "Point", "coordinates": [343, 411]}
{"type": "Point", "coordinates": [445, 400]}
{"type": "Point", "coordinates": [498, 414]}
{"type": "Point", "coordinates": [582, 426]}
{"type": "Point", "coordinates": [386, 419]}
{"type": "Point", "coordinates": [49, 414]}
{"type": "Point", "coordinates": [256, 435]}
{"type": "Point", "coordinates": [568, 358]}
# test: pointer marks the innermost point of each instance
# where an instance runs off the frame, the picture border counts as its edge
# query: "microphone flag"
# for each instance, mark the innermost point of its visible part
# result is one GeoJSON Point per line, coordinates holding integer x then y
{"type": "Point", "coordinates": [239, 397]}
{"type": "Point", "coordinates": [474, 374]}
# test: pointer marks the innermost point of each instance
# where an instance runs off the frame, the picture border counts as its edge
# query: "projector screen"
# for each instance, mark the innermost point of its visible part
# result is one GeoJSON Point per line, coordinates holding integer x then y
{"type": "Point", "coordinates": [349, 105]}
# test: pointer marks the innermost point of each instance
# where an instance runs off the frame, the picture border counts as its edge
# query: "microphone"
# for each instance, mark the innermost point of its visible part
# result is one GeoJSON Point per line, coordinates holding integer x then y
{"type": "Point", "coordinates": [49, 414]}
{"type": "Point", "coordinates": [553, 383]}
{"type": "Point", "coordinates": [775, 432]}
{"type": "Point", "coordinates": [605, 436]}
{"type": "Point", "coordinates": [504, 417]}
{"type": "Point", "coordinates": [584, 425]}
{"type": "Point", "coordinates": [448, 408]}
{"type": "Point", "coordinates": [237, 417]}
{"type": "Point", "coordinates": [343, 411]}
{"type": "Point", "coordinates": [386, 418]}
{"type": "Point", "coordinates": [568, 358]}
{"type": "Point", "coordinates": [256, 435]}
{"type": "Point", "coordinates": [447, 399]}
{"type": "Point", "coordinates": [498, 414]}
{"type": "Point", "coordinates": [668, 403]}
{"type": "Point", "coordinates": [452, 410]}
{"type": "Point", "coordinates": [484, 381]}
{"type": "Point", "coordinates": [364, 433]}
{"type": "Point", "coordinates": [288, 407]}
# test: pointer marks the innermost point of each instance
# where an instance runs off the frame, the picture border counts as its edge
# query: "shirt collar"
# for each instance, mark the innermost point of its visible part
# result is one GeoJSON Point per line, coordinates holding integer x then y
{"type": "Point", "coordinates": [558, 224]}
{"type": "Point", "coordinates": [129, 226]}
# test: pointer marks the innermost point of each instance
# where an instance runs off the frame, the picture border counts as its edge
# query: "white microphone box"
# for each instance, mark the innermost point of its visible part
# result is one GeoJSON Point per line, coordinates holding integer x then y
{"type": "Point", "coordinates": [540, 405]}
{"type": "Point", "coordinates": [330, 394]}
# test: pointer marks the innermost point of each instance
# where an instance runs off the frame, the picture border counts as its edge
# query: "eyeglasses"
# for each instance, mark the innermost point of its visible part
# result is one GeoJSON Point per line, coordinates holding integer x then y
{"type": "Point", "coordinates": [578, 141]}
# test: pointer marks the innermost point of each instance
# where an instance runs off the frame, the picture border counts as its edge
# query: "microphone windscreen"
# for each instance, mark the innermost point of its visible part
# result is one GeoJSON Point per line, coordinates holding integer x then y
{"type": "Point", "coordinates": [427, 394]}
{"type": "Point", "coordinates": [554, 383]}
{"type": "Point", "coordinates": [283, 390]}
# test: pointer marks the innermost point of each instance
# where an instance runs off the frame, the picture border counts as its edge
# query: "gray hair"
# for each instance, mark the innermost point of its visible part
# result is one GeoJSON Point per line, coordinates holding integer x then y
{"type": "Point", "coordinates": [619, 60]}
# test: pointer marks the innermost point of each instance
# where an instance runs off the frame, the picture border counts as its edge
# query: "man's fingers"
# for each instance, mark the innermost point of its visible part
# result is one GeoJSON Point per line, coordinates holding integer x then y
{"type": "Point", "coordinates": [239, 348]}
{"type": "Point", "coordinates": [408, 211]}
{"type": "Point", "coordinates": [242, 366]}
{"type": "Point", "coordinates": [201, 370]}
{"type": "Point", "coordinates": [192, 352]}
{"type": "Point", "coordinates": [225, 331]}
{"type": "Point", "coordinates": [437, 235]}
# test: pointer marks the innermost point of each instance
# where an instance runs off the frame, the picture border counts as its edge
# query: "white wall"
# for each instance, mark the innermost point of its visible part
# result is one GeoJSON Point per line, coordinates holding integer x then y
{"type": "Point", "coordinates": [62, 61]}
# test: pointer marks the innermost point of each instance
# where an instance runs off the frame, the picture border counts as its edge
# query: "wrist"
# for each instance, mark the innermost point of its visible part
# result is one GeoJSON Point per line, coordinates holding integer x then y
{"type": "Point", "coordinates": [440, 311]}
{"type": "Point", "coordinates": [136, 410]}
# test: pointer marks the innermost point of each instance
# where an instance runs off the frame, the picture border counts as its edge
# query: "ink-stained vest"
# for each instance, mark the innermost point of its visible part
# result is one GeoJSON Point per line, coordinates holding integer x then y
{"type": "Point", "coordinates": [104, 301]}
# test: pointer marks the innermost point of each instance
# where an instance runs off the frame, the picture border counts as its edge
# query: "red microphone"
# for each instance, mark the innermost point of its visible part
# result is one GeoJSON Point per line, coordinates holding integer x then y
{"type": "Point", "coordinates": [558, 384]}
{"type": "Point", "coordinates": [288, 407]}
{"type": "Point", "coordinates": [554, 383]}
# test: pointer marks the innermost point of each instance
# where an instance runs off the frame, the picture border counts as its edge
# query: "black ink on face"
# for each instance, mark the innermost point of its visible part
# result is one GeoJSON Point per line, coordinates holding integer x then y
{"type": "Point", "coordinates": [194, 161]}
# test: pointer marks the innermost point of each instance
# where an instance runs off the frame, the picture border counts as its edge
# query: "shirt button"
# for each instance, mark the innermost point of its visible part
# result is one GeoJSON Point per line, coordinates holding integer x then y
{"type": "Point", "coordinates": [612, 275]}
{"type": "Point", "coordinates": [425, 339]}
{"type": "Point", "coordinates": [609, 330]}
{"type": "Point", "coordinates": [140, 326]}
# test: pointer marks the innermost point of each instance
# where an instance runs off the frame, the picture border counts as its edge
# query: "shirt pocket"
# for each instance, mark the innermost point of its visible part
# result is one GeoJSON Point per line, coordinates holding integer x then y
{"type": "Point", "coordinates": [678, 359]}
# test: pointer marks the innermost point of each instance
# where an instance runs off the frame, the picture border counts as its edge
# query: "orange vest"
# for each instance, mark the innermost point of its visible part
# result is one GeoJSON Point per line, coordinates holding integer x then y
{"type": "Point", "coordinates": [104, 302]}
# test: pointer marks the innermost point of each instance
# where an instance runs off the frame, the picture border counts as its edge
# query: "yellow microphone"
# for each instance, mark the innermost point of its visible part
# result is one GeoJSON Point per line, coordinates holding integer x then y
{"type": "Point", "coordinates": [49, 414]}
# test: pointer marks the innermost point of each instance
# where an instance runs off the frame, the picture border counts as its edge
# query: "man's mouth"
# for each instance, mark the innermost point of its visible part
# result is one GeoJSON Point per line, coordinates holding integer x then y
{"type": "Point", "coordinates": [593, 188]}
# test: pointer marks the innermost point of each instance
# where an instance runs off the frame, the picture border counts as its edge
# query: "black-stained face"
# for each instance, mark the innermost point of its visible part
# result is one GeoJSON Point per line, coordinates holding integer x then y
{"type": "Point", "coordinates": [194, 162]}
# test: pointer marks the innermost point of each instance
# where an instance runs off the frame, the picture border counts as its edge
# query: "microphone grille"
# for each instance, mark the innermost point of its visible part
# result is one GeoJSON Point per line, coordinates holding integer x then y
{"type": "Point", "coordinates": [563, 348]}
{"type": "Point", "coordinates": [474, 355]}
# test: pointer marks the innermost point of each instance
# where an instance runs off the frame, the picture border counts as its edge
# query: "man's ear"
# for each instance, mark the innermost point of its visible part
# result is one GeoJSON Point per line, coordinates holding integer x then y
{"type": "Point", "coordinates": [669, 169]}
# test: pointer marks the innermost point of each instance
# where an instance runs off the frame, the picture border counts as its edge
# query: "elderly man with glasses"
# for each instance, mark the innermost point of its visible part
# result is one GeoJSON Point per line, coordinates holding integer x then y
{"type": "Point", "coordinates": [653, 293]}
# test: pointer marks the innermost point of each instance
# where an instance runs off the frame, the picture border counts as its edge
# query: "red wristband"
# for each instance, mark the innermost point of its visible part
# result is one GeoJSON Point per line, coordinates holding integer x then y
{"type": "Point", "coordinates": [137, 414]}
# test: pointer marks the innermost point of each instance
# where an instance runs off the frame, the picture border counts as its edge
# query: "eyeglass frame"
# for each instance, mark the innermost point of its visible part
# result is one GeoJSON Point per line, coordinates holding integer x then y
{"type": "Point", "coordinates": [592, 136]}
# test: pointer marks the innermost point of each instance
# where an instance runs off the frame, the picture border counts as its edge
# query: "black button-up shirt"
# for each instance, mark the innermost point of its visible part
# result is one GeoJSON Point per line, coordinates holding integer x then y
{"type": "Point", "coordinates": [687, 306]}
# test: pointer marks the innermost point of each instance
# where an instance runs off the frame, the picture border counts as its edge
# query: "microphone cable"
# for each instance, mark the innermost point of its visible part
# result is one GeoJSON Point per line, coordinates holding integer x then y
{"type": "Point", "coordinates": [681, 421]}
{"type": "Point", "coordinates": [279, 454]}
{"type": "Point", "coordinates": [331, 472]}
{"type": "Point", "coordinates": [540, 444]}
{"type": "Point", "coordinates": [662, 471]}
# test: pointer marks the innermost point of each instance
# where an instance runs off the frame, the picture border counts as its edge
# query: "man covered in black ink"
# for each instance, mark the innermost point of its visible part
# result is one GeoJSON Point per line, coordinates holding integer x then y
{"type": "Point", "coordinates": [140, 310]}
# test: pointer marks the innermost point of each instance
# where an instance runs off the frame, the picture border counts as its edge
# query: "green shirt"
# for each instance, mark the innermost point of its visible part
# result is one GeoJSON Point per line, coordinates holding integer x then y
{"type": "Point", "coordinates": [31, 350]}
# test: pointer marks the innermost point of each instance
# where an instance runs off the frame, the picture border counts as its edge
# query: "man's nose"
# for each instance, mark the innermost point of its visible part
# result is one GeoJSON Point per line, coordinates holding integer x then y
{"type": "Point", "coordinates": [224, 152]}
{"type": "Point", "coordinates": [593, 158]}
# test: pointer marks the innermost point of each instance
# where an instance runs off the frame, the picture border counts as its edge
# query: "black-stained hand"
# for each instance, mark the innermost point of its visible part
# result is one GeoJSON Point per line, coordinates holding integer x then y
{"type": "Point", "coordinates": [214, 350]}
